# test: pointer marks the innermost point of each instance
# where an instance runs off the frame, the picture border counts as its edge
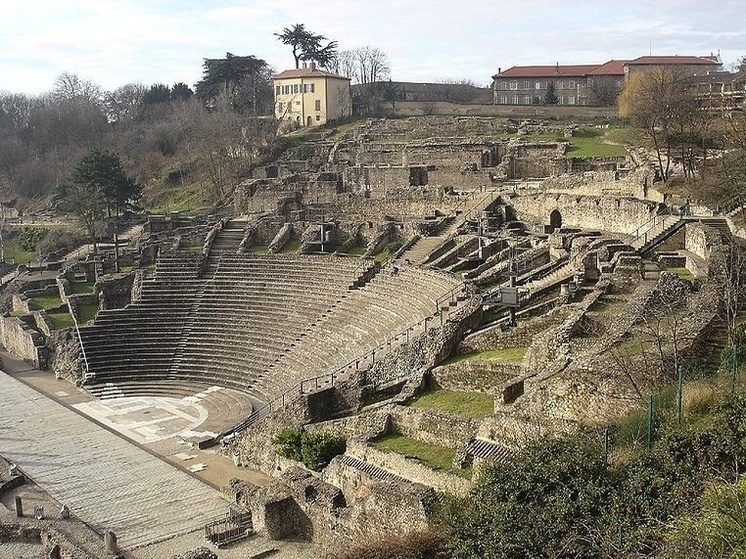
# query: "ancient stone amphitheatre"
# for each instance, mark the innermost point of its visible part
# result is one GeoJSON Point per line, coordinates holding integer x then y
{"type": "Point", "coordinates": [371, 273]}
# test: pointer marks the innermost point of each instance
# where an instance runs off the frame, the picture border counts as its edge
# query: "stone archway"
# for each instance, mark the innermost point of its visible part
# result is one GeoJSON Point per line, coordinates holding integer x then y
{"type": "Point", "coordinates": [309, 121]}
{"type": "Point", "coordinates": [555, 221]}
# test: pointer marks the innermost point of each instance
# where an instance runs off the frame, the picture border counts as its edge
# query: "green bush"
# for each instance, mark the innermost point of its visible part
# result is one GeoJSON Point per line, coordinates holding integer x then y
{"type": "Point", "coordinates": [30, 236]}
{"type": "Point", "coordinates": [315, 450]}
{"type": "Point", "coordinates": [288, 443]}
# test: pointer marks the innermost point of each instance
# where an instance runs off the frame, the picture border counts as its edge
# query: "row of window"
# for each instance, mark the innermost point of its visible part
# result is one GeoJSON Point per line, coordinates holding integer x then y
{"type": "Point", "coordinates": [283, 106]}
{"type": "Point", "coordinates": [294, 88]}
{"type": "Point", "coordinates": [535, 100]}
{"type": "Point", "coordinates": [515, 85]}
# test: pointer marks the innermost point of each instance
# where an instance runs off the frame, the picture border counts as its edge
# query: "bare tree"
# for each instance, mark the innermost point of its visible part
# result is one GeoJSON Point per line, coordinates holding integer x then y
{"type": "Point", "coordinates": [655, 101]}
{"type": "Point", "coordinates": [372, 65]}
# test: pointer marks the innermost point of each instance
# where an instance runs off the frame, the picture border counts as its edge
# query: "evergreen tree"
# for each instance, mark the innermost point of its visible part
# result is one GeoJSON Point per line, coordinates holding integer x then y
{"type": "Point", "coordinates": [551, 95]}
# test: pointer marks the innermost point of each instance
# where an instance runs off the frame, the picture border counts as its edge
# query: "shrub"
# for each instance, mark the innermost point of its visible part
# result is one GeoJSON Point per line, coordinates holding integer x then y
{"type": "Point", "coordinates": [30, 236]}
{"type": "Point", "coordinates": [288, 443]}
{"type": "Point", "coordinates": [315, 450]}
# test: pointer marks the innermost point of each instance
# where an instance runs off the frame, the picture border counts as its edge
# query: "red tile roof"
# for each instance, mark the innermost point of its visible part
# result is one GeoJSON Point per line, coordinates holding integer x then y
{"type": "Point", "coordinates": [556, 70]}
{"type": "Point", "coordinates": [610, 68]}
{"type": "Point", "coordinates": [667, 60]}
{"type": "Point", "coordinates": [306, 73]}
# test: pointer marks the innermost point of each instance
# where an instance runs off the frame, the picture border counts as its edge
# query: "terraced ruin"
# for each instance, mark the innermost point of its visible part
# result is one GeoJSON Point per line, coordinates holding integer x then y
{"type": "Point", "coordinates": [436, 291]}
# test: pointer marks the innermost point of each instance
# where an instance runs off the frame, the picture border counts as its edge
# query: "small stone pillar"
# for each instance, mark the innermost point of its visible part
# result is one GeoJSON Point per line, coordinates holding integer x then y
{"type": "Point", "coordinates": [110, 541]}
{"type": "Point", "coordinates": [19, 507]}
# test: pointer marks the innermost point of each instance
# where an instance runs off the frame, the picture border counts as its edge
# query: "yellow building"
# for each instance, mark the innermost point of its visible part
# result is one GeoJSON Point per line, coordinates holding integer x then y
{"type": "Point", "coordinates": [308, 96]}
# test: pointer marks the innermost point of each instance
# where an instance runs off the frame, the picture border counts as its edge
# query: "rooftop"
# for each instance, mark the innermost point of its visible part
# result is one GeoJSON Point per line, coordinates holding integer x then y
{"type": "Point", "coordinates": [667, 60]}
{"type": "Point", "coordinates": [576, 70]}
{"type": "Point", "coordinates": [310, 72]}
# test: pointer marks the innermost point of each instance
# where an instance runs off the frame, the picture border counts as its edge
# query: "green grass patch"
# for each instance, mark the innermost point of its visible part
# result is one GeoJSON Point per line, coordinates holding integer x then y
{"type": "Point", "coordinates": [257, 249]}
{"type": "Point", "coordinates": [46, 301]}
{"type": "Point", "coordinates": [17, 314]}
{"type": "Point", "coordinates": [293, 245]}
{"type": "Point", "coordinates": [86, 313]}
{"type": "Point", "coordinates": [606, 307]}
{"type": "Point", "coordinates": [475, 405]}
{"type": "Point", "coordinates": [61, 321]}
{"type": "Point", "coordinates": [619, 135]}
{"type": "Point", "coordinates": [434, 456]}
{"type": "Point", "coordinates": [683, 273]}
{"type": "Point", "coordinates": [81, 287]}
{"type": "Point", "coordinates": [510, 354]}
{"type": "Point", "coordinates": [357, 251]}
{"type": "Point", "coordinates": [588, 143]}
{"type": "Point", "coordinates": [383, 256]}
{"type": "Point", "coordinates": [632, 347]}
{"type": "Point", "coordinates": [14, 253]}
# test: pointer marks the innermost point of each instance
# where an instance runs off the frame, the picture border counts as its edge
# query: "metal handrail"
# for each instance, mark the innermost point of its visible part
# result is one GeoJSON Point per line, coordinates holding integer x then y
{"type": "Point", "coordinates": [329, 378]}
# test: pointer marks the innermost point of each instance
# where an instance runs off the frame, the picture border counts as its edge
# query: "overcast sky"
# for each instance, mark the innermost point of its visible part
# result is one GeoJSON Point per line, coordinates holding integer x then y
{"type": "Point", "coordinates": [114, 42]}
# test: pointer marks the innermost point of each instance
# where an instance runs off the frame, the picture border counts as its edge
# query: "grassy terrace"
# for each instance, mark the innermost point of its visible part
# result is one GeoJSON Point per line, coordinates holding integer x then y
{"type": "Point", "coordinates": [588, 142]}
{"type": "Point", "coordinates": [81, 287]}
{"type": "Point", "coordinates": [606, 307]}
{"type": "Point", "coordinates": [433, 456]}
{"type": "Point", "coordinates": [474, 405]}
{"type": "Point", "coordinates": [510, 354]}
{"type": "Point", "coordinates": [46, 301]}
{"type": "Point", "coordinates": [683, 273]}
{"type": "Point", "coordinates": [292, 246]}
{"type": "Point", "coordinates": [61, 320]}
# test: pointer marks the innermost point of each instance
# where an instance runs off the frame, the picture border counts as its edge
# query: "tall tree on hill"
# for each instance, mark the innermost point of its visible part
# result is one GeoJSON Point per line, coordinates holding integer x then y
{"type": "Point", "coordinates": [227, 76]}
{"type": "Point", "coordinates": [103, 171]}
{"type": "Point", "coordinates": [308, 46]}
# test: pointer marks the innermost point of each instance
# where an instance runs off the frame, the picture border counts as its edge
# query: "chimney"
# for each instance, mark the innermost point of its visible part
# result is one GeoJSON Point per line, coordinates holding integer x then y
{"type": "Point", "coordinates": [499, 70]}
{"type": "Point", "coordinates": [312, 66]}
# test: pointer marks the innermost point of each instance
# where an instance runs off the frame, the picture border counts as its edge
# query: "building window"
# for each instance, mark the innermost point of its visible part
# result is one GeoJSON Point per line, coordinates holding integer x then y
{"type": "Point", "coordinates": [278, 89]}
{"type": "Point", "coordinates": [296, 88]}
{"type": "Point", "coordinates": [560, 99]}
{"type": "Point", "coordinates": [502, 86]}
{"type": "Point", "coordinates": [571, 85]}
{"type": "Point", "coordinates": [570, 99]}
{"type": "Point", "coordinates": [312, 88]}
{"type": "Point", "coordinates": [317, 105]}
{"type": "Point", "coordinates": [525, 99]}
{"type": "Point", "coordinates": [537, 85]}
{"type": "Point", "coordinates": [318, 117]}
{"type": "Point", "coordinates": [526, 85]}
{"type": "Point", "coordinates": [514, 99]}
{"type": "Point", "coordinates": [503, 100]}
{"type": "Point", "coordinates": [513, 85]}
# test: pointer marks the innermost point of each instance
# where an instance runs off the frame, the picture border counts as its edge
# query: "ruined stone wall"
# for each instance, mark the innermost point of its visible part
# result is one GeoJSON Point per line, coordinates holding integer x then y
{"type": "Point", "coordinates": [115, 291]}
{"type": "Point", "coordinates": [480, 376]}
{"type": "Point", "coordinates": [432, 426]}
{"type": "Point", "coordinates": [408, 468]}
{"type": "Point", "coordinates": [700, 240]}
{"type": "Point", "coordinates": [619, 215]}
{"type": "Point", "coordinates": [20, 339]}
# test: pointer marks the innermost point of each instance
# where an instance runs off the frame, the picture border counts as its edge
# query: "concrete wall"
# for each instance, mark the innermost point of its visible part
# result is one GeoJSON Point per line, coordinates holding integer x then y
{"type": "Point", "coordinates": [423, 108]}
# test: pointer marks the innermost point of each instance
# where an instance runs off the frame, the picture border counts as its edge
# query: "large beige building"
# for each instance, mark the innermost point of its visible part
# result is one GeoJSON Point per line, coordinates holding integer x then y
{"type": "Point", "coordinates": [308, 96]}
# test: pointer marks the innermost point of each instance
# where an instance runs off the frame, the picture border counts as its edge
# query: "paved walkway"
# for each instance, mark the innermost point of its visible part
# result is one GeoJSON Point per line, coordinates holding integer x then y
{"type": "Point", "coordinates": [106, 481]}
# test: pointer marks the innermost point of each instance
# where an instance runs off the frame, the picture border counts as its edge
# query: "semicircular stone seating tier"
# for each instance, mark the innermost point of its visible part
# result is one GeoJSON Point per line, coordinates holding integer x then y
{"type": "Point", "coordinates": [259, 323]}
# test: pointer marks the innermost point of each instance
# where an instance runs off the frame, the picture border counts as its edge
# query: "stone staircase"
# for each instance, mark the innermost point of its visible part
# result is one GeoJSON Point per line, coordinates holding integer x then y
{"type": "Point", "coordinates": [563, 273]}
{"type": "Point", "coordinates": [488, 450]}
{"type": "Point", "coordinates": [425, 246]}
{"type": "Point", "coordinates": [226, 242]}
{"type": "Point", "coordinates": [370, 469]}
{"type": "Point", "coordinates": [661, 228]}
{"type": "Point", "coordinates": [718, 223]}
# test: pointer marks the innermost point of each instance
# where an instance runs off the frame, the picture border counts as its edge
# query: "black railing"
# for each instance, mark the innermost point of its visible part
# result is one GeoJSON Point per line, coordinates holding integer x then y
{"type": "Point", "coordinates": [330, 379]}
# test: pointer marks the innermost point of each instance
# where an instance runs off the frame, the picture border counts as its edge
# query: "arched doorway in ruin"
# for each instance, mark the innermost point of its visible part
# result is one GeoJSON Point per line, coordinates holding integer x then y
{"type": "Point", "coordinates": [555, 221]}
{"type": "Point", "coordinates": [309, 121]}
